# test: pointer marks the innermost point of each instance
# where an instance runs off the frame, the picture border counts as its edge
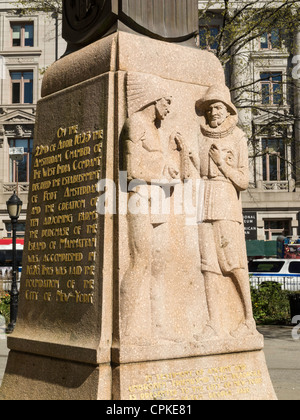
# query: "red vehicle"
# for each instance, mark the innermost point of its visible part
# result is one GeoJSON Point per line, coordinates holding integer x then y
{"type": "Point", "coordinates": [288, 249]}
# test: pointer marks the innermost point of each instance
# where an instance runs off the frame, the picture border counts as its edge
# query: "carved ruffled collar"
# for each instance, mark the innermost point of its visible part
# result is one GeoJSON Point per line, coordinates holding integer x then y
{"type": "Point", "coordinates": [220, 132]}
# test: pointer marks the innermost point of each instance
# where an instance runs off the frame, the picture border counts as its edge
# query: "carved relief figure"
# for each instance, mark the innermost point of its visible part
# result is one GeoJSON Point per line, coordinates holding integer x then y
{"type": "Point", "coordinates": [147, 158]}
{"type": "Point", "coordinates": [224, 172]}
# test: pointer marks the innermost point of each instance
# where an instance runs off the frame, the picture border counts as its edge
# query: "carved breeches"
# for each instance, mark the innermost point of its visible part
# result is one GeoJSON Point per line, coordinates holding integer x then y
{"type": "Point", "coordinates": [222, 246]}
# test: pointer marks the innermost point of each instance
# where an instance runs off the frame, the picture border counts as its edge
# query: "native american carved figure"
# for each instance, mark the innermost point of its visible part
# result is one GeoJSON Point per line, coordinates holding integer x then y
{"type": "Point", "coordinates": [225, 174]}
{"type": "Point", "coordinates": [153, 167]}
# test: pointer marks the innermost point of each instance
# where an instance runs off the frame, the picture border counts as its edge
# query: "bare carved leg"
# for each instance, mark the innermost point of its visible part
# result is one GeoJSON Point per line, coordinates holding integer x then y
{"type": "Point", "coordinates": [241, 279]}
{"type": "Point", "coordinates": [213, 328]}
{"type": "Point", "coordinates": [135, 287]}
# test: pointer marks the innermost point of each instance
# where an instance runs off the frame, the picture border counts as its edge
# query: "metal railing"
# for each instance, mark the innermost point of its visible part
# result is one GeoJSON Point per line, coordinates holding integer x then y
{"type": "Point", "coordinates": [288, 283]}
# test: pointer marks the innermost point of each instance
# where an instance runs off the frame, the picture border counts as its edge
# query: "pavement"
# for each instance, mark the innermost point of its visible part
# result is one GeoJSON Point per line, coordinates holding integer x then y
{"type": "Point", "coordinates": [282, 353]}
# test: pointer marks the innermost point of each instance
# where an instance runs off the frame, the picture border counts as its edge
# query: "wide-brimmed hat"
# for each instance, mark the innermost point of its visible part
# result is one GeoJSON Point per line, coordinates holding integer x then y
{"type": "Point", "coordinates": [216, 93]}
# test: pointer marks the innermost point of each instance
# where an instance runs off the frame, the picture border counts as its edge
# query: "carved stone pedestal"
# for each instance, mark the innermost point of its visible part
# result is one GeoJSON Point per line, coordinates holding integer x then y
{"type": "Point", "coordinates": [238, 376]}
{"type": "Point", "coordinates": [113, 300]}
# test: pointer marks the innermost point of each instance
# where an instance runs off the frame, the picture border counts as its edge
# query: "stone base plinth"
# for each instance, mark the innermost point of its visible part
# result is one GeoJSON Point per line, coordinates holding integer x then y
{"type": "Point", "coordinates": [32, 377]}
{"type": "Point", "coordinates": [239, 376]}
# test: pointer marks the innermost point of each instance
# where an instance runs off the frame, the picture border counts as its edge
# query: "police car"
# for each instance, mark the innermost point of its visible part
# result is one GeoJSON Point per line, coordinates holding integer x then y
{"type": "Point", "coordinates": [285, 272]}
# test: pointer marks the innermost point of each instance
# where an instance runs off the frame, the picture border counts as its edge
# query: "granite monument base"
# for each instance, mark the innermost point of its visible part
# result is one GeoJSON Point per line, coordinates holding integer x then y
{"type": "Point", "coordinates": [238, 376]}
{"type": "Point", "coordinates": [113, 304]}
{"type": "Point", "coordinates": [33, 377]}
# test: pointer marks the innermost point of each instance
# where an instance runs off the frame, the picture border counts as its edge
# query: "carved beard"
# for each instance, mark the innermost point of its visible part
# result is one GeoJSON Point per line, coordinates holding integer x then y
{"type": "Point", "coordinates": [217, 123]}
{"type": "Point", "coordinates": [221, 131]}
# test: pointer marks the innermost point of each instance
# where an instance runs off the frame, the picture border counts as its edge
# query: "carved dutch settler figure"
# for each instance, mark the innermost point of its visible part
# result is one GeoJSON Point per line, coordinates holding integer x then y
{"type": "Point", "coordinates": [153, 165]}
{"type": "Point", "coordinates": [225, 174]}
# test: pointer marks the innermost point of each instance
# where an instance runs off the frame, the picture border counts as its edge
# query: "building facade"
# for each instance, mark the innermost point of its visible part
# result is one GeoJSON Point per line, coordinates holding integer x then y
{"type": "Point", "coordinates": [264, 79]}
{"type": "Point", "coordinates": [28, 45]}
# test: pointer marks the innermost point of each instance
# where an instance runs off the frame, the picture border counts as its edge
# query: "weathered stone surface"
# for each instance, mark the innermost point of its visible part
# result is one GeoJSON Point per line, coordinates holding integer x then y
{"type": "Point", "coordinates": [67, 279]}
{"type": "Point", "coordinates": [127, 52]}
{"type": "Point", "coordinates": [238, 376]}
{"type": "Point", "coordinates": [110, 281]}
{"type": "Point", "coordinates": [33, 377]}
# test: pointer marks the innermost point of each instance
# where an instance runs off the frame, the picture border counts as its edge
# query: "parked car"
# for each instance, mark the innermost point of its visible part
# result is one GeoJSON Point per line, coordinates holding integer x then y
{"type": "Point", "coordinates": [286, 272]}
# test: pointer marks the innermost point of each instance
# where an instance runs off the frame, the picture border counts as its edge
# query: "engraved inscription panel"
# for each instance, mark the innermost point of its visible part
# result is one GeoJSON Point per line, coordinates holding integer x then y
{"type": "Point", "coordinates": [238, 376]}
{"type": "Point", "coordinates": [204, 384]}
{"type": "Point", "coordinates": [63, 225]}
{"type": "Point", "coordinates": [65, 277]}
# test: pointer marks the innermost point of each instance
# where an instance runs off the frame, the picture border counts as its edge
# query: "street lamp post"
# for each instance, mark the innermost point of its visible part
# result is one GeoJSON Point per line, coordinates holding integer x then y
{"type": "Point", "coordinates": [14, 206]}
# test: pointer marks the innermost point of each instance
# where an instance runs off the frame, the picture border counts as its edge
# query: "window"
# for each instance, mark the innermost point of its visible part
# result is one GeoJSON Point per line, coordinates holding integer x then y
{"type": "Point", "coordinates": [270, 40]}
{"type": "Point", "coordinates": [20, 231]}
{"type": "Point", "coordinates": [265, 266]}
{"type": "Point", "coordinates": [22, 87]}
{"type": "Point", "coordinates": [20, 172]}
{"type": "Point", "coordinates": [294, 267]}
{"type": "Point", "coordinates": [208, 37]}
{"type": "Point", "coordinates": [274, 160]}
{"type": "Point", "coordinates": [275, 228]}
{"type": "Point", "coordinates": [22, 34]}
{"type": "Point", "coordinates": [271, 88]}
